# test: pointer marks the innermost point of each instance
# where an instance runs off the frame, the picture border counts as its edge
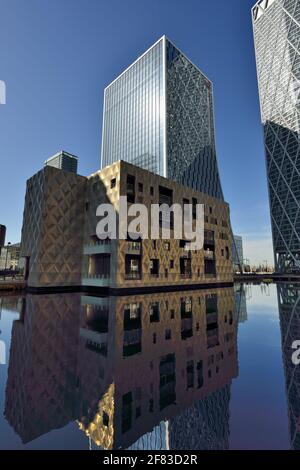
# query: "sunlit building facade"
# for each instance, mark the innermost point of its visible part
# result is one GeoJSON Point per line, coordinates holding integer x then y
{"type": "Point", "coordinates": [277, 37]}
{"type": "Point", "coordinates": [158, 115]}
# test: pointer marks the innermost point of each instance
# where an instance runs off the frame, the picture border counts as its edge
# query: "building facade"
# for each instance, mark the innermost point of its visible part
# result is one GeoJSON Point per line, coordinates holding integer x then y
{"type": "Point", "coordinates": [63, 161]}
{"type": "Point", "coordinates": [158, 115]}
{"type": "Point", "coordinates": [2, 235]}
{"type": "Point", "coordinates": [276, 26]}
{"type": "Point", "coordinates": [61, 246]}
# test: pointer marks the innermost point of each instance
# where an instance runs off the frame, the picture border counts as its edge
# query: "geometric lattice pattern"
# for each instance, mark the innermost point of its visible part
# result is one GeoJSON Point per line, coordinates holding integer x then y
{"type": "Point", "coordinates": [277, 41]}
{"type": "Point", "coordinates": [52, 227]}
{"type": "Point", "coordinates": [207, 421]}
{"type": "Point", "coordinates": [190, 126]}
{"type": "Point", "coordinates": [289, 311]}
{"type": "Point", "coordinates": [41, 382]}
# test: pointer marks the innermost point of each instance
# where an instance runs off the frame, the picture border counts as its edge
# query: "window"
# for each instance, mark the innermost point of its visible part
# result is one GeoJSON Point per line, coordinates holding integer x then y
{"type": "Point", "coordinates": [130, 188]}
{"type": "Point", "coordinates": [227, 252]}
{"type": "Point", "coordinates": [154, 312]}
{"type": "Point", "coordinates": [194, 203]}
{"type": "Point", "coordinates": [113, 183]}
{"type": "Point", "coordinates": [154, 338]}
{"type": "Point", "coordinates": [87, 206]}
{"type": "Point", "coordinates": [190, 374]}
{"type": "Point", "coordinates": [151, 191]}
{"type": "Point", "coordinates": [154, 267]}
{"type": "Point", "coordinates": [132, 312]}
{"type": "Point", "coordinates": [140, 187]}
{"type": "Point", "coordinates": [154, 244]}
{"type": "Point", "coordinates": [200, 374]}
{"type": "Point", "coordinates": [105, 419]}
{"type": "Point", "coordinates": [171, 264]}
{"type": "Point", "coordinates": [168, 334]}
{"type": "Point", "coordinates": [151, 405]}
{"type": "Point", "coordinates": [210, 210]}
{"type": "Point", "coordinates": [222, 252]}
{"type": "Point", "coordinates": [182, 243]}
{"type": "Point", "coordinates": [172, 314]}
{"type": "Point", "coordinates": [138, 412]}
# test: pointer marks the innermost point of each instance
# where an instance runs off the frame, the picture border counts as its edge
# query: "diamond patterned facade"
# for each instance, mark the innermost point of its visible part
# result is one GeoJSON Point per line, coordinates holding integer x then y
{"type": "Point", "coordinates": [62, 249]}
{"type": "Point", "coordinates": [277, 40]}
{"type": "Point", "coordinates": [191, 152]}
{"type": "Point", "coordinates": [52, 235]}
{"type": "Point", "coordinates": [158, 115]}
{"type": "Point", "coordinates": [289, 311]}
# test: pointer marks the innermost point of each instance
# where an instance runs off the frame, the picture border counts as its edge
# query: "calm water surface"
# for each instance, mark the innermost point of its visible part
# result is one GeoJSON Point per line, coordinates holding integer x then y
{"type": "Point", "coordinates": [209, 369]}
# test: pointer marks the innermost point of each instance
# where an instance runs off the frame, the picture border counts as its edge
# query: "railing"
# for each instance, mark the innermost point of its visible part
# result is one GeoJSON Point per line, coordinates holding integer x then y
{"type": "Point", "coordinates": [133, 275]}
{"type": "Point", "coordinates": [99, 242]}
{"type": "Point", "coordinates": [133, 246]}
{"type": "Point", "coordinates": [96, 276]}
{"type": "Point", "coordinates": [167, 277]}
{"type": "Point", "coordinates": [186, 275]}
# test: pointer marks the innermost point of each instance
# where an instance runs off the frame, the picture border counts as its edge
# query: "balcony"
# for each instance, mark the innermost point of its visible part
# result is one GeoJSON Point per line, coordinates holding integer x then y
{"type": "Point", "coordinates": [209, 254]}
{"type": "Point", "coordinates": [97, 247]}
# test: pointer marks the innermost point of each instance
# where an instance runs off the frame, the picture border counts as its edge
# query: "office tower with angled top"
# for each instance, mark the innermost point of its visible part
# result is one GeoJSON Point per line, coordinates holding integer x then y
{"type": "Point", "coordinates": [158, 115]}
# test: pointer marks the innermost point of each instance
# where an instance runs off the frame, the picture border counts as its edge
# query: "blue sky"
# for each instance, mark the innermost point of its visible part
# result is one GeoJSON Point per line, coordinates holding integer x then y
{"type": "Point", "coordinates": [57, 56]}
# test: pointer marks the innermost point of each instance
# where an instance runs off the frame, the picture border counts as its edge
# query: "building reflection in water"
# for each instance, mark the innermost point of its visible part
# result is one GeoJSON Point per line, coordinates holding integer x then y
{"type": "Point", "coordinates": [242, 292]}
{"type": "Point", "coordinates": [289, 312]}
{"type": "Point", "coordinates": [144, 371]}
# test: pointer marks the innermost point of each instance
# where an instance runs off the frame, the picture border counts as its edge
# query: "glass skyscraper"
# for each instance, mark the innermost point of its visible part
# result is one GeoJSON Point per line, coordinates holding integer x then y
{"type": "Point", "coordinates": [276, 25]}
{"type": "Point", "coordinates": [158, 114]}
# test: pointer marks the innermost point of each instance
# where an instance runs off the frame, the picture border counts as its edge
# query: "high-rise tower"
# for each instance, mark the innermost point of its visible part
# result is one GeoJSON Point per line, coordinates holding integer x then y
{"type": "Point", "coordinates": [276, 25]}
{"type": "Point", "coordinates": [158, 114]}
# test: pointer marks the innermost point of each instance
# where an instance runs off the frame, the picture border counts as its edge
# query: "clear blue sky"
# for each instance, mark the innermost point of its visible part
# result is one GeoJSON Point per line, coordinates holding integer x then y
{"type": "Point", "coordinates": [56, 57]}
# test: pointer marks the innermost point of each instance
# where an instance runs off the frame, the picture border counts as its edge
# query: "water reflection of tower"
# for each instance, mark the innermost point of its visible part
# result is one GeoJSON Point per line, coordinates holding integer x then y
{"type": "Point", "coordinates": [242, 293]}
{"type": "Point", "coordinates": [289, 312]}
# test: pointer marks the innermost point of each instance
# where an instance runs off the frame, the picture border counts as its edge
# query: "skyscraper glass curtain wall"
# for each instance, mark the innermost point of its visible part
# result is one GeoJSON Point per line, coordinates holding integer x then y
{"type": "Point", "coordinates": [158, 115]}
{"type": "Point", "coordinates": [276, 26]}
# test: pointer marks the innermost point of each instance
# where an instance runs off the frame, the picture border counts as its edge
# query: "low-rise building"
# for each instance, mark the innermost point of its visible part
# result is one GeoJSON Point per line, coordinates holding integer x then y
{"type": "Point", "coordinates": [10, 257]}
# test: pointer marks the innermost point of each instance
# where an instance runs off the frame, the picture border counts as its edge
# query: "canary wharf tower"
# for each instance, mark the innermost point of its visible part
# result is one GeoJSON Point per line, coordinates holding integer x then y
{"type": "Point", "coordinates": [276, 26]}
{"type": "Point", "coordinates": [158, 115]}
